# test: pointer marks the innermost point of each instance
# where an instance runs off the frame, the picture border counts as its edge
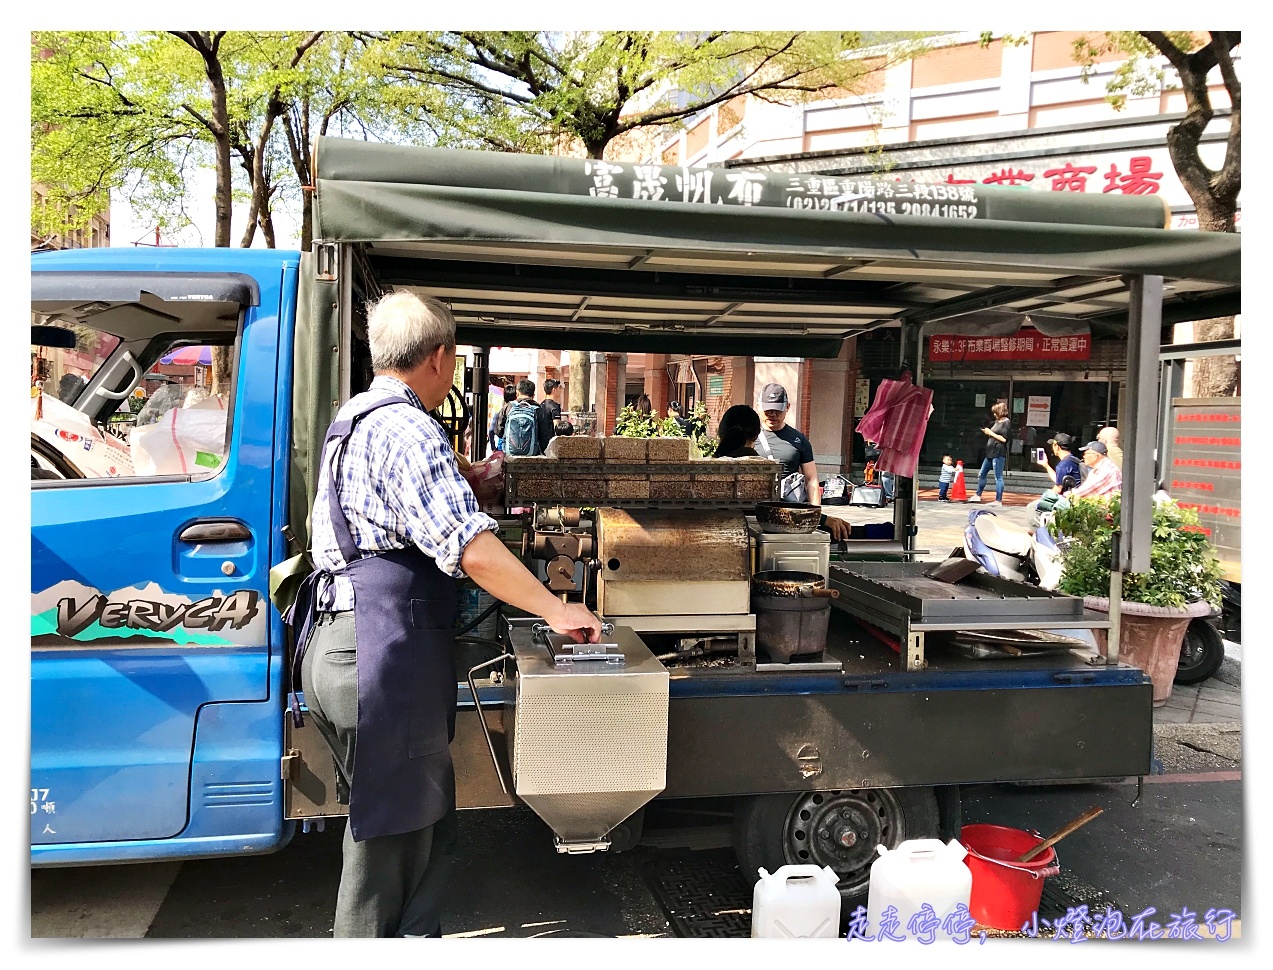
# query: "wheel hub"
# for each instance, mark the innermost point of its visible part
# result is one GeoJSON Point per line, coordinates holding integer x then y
{"type": "Point", "coordinates": [841, 829]}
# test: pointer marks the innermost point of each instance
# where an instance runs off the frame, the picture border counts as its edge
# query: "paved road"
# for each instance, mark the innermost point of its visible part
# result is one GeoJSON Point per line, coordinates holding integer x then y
{"type": "Point", "coordinates": [1181, 846]}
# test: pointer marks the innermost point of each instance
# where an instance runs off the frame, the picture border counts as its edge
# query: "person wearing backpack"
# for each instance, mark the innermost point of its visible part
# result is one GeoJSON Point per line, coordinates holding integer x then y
{"type": "Point", "coordinates": [524, 429]}
{"type": "Point", "coordinates": [496, 436]}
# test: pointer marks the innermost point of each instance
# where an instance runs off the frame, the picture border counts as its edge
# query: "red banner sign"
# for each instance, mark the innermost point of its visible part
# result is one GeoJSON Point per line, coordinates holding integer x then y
{"type": "Point", "coordinates": [1025, 344]}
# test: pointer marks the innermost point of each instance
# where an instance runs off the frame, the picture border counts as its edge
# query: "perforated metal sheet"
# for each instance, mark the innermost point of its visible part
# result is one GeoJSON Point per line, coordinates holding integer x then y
{"type": "Point", "coordinates": [589, 738]}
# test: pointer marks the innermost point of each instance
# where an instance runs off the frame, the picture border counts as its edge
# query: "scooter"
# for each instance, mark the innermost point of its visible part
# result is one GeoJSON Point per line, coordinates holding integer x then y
{"type": "Point", "coordinates": [1013, 552]}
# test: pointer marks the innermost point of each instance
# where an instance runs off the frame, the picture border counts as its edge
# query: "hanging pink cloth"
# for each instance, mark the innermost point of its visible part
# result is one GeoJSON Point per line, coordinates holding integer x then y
{"type": "Point", "coordinates": [896, 421]}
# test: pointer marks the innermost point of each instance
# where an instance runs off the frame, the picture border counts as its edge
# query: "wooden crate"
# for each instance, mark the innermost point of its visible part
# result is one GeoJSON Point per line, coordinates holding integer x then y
{"type": "Point", "coordinates": [713, 486]}
{"type": "Point", "coordinates": [634, 451]}
{"type": "Point", "coordinates": [669, 449]}
{"type": "Point", "coordinates": [574, 448]}
{"type": "Point", "coordinates": [665, 487]}
{"type": "Point", "coordinates": [628, 486]}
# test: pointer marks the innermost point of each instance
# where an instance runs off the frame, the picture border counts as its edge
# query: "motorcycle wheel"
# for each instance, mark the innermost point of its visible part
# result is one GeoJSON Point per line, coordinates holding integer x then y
{"type": "Point", "coordinates": [1201, 652]}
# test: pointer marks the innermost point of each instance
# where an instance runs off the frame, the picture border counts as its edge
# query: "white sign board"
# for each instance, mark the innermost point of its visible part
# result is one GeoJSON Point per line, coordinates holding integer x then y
{"type": "Point", "coordinates": [1038, 411]}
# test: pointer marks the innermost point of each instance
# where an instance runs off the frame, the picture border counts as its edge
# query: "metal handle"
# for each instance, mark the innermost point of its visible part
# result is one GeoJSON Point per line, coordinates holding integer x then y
{"type": "Point", "coordinates": [225, 530]}
{"type": "Point", "coordinates": [131, 361]}
{"type": "Point", "coordinates": [481, 717]}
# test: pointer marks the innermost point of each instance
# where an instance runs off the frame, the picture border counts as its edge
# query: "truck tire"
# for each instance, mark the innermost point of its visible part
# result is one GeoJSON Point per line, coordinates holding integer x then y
{"type": "Point", "coordinates": [839, 829]}
{"type": "Point", "coordinates": [1201, 652]}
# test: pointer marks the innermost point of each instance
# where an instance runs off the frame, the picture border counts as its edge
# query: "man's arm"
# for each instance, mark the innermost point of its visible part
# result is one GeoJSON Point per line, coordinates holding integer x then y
{"type": "Point", "coordinates": [488, 563]}
{"type": "Point", "coordinates": [810, 472]}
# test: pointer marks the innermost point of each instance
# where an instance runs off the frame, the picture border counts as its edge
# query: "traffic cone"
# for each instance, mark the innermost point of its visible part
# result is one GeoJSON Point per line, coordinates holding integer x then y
{"type": "Point", "coordinates": [958, 491]}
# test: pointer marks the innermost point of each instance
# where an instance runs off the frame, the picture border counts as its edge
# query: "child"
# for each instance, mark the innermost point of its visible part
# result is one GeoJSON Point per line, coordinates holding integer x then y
{"type": "Point", "coordinates": [945, 478]}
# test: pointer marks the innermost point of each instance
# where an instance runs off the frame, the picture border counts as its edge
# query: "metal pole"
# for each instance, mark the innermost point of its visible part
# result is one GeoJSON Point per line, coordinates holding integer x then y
{"type": "Point", "coordinates": [906, 490]}
{"type": "Point", "coordinates": [1139, 434]}
{"type": "Point", "coordinates": [1115, 605]}
{"type": "Point", "coordinates": [481, 381]}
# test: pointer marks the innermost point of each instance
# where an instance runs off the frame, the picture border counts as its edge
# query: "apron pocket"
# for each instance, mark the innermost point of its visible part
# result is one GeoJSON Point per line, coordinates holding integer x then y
{"type": "Point", "coordinates": [432, 716]}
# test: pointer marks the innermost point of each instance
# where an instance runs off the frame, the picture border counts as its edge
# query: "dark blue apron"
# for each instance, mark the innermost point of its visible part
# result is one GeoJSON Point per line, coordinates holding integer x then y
{"type": "Point", "coordinates": [404, 620]}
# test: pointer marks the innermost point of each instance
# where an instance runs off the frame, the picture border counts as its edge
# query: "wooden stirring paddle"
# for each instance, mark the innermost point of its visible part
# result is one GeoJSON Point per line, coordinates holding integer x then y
{"type": "Point", "coordinates": [1061, 833]}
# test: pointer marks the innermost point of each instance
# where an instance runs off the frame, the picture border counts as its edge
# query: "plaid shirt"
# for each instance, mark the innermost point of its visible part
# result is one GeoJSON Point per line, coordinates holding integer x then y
{"type": "Point", "coordinates": [1104, 479]}
{"type": "Point", "coordinates": [399, 486]}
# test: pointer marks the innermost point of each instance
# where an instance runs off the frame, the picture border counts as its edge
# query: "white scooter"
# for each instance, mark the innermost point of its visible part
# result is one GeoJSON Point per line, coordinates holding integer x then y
{"type": "Point", "coordinates": [1012, 551]}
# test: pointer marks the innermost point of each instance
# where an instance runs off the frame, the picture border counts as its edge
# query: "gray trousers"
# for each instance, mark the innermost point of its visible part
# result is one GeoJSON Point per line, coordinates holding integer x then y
{"type": "Point", "coordinates": [393, 885]}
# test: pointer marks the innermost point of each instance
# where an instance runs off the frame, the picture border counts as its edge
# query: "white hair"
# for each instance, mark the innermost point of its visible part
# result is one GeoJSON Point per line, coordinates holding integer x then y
{"type": "Point", "coordinates": [404, 329]}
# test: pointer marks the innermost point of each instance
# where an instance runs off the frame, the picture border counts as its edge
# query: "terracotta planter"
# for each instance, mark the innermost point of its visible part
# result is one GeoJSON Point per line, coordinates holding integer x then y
{"type": "Point", "coordinates": [1149, 638]}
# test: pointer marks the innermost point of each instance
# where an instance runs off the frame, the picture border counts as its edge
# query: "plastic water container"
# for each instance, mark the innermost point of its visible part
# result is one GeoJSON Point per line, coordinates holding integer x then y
{"type": "Point", "coordinates": [796, 902]}
{"type": "Point", "coordinates": [918, 872]}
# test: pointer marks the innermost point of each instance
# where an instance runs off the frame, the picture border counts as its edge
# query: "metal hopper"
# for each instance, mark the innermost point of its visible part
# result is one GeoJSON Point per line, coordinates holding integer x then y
{"type": "Point", "coordinates": [587, 730]}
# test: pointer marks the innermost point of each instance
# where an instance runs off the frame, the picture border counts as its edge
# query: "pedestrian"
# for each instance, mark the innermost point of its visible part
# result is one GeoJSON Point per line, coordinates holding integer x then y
{"type": "Point", "coordinates": [996, 451]}
{"type": "Point", "coordinates": [552, 407]}
{"type": "Point", "coordinates": [783, 443]}
{"type": "Point", "coordinates": [644, 405]}
{"type": "Point", "coordinates": [1108, 436]}
{"type": "Point", "coordinates": [945, 477]}
{"type": "Point", "coordinates": [527, 430]}
{"type": "Point", "coordinates": [1105, 478]}
{"type": "Point", "coordinates": [737, 432]}
{"type": "Point", "coordinates": [496, 434]}
{"type": "Point", "coordinates": [394, 526]}
{"type": "Point", "coordinates": [1067, 473]}
{"type": "Point", "coordinates": [873, 470]}
{"type": "Point", "coordinates": [676, 411]}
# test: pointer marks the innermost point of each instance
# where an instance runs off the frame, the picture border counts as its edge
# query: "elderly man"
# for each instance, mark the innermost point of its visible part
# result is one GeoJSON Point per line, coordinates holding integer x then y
{"type": "Point", "coordinates": [1108, 436]}
{"type": "Point", "coordinates": [1104, 477]}
{"type": "Point", "coordinates": [394, 525]}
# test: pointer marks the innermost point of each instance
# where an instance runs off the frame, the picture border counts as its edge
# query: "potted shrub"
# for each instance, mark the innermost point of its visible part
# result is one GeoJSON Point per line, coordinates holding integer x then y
{"type": "Point", "coordinates": [1183, 580]}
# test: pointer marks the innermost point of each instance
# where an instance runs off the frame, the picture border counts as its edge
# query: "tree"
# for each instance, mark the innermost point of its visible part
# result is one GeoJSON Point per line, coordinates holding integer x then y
{"type": "Point", "coordinates": [139, 112]}
{"type": "Point", "coordinates": [1214, 191]}
{"type": "Point", "coordinates": [513, 89]}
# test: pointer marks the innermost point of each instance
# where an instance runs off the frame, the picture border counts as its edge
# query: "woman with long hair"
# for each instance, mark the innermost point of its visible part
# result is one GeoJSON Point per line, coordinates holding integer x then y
{"type": "Point", "coordinates": [996, 451]}
{"type": "Point", "coordinates": [738, 430]}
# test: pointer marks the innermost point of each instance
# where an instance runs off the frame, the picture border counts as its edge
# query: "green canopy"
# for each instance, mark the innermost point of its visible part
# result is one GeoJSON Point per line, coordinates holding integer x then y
{"type": "Point", "coordinates": [582, 254]}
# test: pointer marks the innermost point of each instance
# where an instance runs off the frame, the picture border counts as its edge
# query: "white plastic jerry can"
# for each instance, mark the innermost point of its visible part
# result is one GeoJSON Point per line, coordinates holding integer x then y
{"type": "Point", "coordinates": [796, 901]}
{"type": "Point", "coordinates": [919, 873]}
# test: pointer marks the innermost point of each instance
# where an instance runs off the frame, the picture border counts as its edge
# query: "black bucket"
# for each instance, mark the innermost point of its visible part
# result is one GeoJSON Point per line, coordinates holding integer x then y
{"type": "Point", "coordinates": [790, 625]}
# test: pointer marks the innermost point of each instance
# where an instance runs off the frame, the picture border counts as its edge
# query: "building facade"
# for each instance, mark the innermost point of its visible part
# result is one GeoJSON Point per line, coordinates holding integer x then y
{"type": "Point", "coordinates": [1004, 113]}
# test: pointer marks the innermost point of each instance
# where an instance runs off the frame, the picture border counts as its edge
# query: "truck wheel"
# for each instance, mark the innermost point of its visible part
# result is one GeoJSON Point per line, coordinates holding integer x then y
{"type": "Point", "coordinates": [1201, 652]}
{"type": "Point", "coordinates": [839, 829]}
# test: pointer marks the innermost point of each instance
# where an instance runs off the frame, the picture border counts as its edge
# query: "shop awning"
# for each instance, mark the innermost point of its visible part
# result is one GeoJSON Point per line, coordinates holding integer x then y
{"type": "Point", "coordinates": [574, 253]}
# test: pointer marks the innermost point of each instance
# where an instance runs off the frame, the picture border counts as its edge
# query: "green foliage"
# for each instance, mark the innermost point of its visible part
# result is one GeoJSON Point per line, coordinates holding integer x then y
{"type": "Point", "coordinates": [631, 423]}
{"type": "Point", "coordinates": [136, 112]}
{"type": "Point", "coordinates": [1138, 75]}
{"type": "Point", "coordinates": [1183, 566]}
{"type": "Point", "coordinates": [536, 90]}
{"type": "Point", "coordinates": [669, 428]}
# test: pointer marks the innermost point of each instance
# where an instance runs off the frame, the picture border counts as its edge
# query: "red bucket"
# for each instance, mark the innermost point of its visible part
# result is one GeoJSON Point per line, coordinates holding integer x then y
{"type": "Point", "coordinates": [1005, 893]}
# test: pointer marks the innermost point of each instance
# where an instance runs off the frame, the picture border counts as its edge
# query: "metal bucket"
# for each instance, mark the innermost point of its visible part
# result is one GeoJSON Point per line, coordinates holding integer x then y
{"type": "Point", "coordinates": [790, 625]}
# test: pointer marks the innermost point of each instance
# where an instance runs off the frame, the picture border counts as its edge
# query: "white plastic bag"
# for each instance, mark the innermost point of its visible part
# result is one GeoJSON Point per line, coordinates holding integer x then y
{"type": "Point", "coordinates": [184, 441]}
{"type": "Point", "coordinates": [95, 454]}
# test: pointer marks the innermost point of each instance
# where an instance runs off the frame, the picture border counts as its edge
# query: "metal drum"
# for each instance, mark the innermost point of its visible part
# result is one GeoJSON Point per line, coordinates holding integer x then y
{"type": "Point", "coordinates": [793, 611]}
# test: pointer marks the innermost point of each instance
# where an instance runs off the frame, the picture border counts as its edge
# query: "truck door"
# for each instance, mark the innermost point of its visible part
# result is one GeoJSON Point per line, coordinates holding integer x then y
{"type": "Point", "coordinates": [152, 471]}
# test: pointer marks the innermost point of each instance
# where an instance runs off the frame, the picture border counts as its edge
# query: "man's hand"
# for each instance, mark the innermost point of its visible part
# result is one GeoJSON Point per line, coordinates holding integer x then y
{"type": "Point", "coordinates": [839, 529]}
{"type": "Point", "coordinates": [1042, 463]}
{"type": "Point", "coordinates": [577, 621]}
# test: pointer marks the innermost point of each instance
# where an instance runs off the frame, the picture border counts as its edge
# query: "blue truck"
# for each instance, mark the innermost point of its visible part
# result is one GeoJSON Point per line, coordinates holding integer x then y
{"type": "Point", "coordinates": [180, 395]}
